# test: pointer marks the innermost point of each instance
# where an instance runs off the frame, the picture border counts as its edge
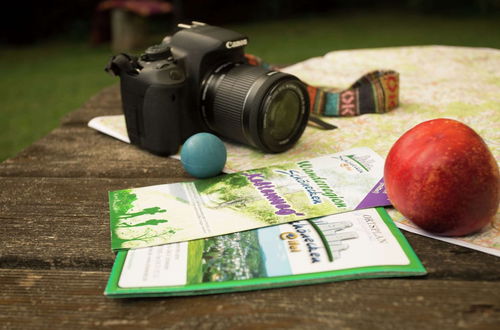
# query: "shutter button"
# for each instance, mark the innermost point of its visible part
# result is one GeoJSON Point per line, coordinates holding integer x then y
{"type": "Point", "coordinates": [157, 52]}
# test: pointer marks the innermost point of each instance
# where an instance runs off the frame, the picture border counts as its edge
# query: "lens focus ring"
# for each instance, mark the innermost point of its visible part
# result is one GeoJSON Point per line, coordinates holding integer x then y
{"type": "Point", "coordinates": [255, 106]}
{"type": "Point", "coordinates": [232, 90]}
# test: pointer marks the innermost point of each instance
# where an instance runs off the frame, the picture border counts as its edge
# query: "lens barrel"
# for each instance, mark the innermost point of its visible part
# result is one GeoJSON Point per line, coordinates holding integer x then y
{"type": "Point", "coordinates": [252, 105]}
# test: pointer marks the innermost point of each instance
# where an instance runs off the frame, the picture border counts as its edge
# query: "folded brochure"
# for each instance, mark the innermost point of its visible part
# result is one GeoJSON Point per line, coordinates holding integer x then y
{"type": "Point", "coordinates": [353, 245]}
{"type": "Point", "coordinates": [251, 199]}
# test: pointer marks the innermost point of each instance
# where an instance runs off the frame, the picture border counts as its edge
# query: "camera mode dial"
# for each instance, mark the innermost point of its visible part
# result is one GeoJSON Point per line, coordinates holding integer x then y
{"type": "Point", "coordinates": [157, 53]}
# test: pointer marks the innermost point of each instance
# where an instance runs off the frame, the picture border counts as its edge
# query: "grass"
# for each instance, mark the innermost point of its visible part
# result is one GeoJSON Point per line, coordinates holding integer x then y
{"type": "Point", "coordinates": [286, 42]}
{"type": "Point", "coordinates": [41, 83]}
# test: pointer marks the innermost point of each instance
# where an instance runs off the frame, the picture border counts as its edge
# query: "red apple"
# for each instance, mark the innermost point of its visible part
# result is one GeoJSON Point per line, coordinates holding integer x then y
{"type": "Point", "coordinates": [441, 175]}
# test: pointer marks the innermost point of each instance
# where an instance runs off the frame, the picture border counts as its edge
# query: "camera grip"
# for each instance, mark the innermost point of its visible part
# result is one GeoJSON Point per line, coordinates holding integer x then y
{"type": "Point", "coordinates": [161, 119]}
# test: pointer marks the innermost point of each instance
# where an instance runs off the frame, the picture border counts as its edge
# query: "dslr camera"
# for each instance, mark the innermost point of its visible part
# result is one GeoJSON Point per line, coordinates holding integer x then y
{"type": "Point", "coordinates": [198, 80]}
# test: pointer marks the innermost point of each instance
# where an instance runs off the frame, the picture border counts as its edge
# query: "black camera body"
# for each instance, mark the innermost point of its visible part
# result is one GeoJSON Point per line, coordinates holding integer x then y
{"type": "Point", "coordinates": [198, 81]}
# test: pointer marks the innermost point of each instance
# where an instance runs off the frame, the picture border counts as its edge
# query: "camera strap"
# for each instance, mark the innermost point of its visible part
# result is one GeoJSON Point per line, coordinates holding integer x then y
{"type": "Point", "coordinates": [374, 92]}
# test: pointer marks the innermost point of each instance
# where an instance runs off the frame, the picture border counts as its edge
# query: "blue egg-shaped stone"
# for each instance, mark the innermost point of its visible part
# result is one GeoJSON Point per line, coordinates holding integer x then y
{"type": "Point", "coordinates": [203, 155]}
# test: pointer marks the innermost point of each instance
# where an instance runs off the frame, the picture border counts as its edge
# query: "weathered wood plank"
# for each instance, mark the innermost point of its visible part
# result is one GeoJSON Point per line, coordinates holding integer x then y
{"type": "Point", "coordinates": [71, 298]}
{"type": "Point", "coordinates": [448, 261]}
{"type": "Point", "coordinates": [73, 151]}
{"type": "Point", "coordinates": [64, 223]}
{"type": "Point", "coordinates": [59, 222]}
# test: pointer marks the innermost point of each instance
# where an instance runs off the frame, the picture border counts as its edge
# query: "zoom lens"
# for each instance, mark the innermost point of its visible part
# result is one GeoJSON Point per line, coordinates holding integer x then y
{"type": "Point", "coordinates": [255, 106]}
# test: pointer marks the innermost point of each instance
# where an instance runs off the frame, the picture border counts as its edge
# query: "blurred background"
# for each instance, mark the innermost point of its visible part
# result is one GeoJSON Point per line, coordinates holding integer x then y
{"type": "Point", "coordinates": [52, 53]}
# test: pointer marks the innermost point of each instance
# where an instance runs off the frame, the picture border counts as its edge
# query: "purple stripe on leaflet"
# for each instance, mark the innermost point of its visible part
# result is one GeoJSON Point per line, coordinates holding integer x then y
{"type": "Point", "coordinates": [376, 197]}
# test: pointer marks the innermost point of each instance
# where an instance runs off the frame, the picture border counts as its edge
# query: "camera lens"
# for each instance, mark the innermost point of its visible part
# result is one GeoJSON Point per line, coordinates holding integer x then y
{"type": "Point", "coordinates": [255, 106]}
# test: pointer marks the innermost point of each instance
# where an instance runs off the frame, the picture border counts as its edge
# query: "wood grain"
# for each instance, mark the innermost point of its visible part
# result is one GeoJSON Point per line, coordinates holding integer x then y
{"type": "Point", "coordinates": [74, 298]}
{"type": "Point", "coordinates": [79, 151]}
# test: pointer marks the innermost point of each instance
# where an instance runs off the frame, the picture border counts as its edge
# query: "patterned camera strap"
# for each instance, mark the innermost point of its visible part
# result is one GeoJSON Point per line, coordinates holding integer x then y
{"type": "Point", "coordinates": [375, 92]}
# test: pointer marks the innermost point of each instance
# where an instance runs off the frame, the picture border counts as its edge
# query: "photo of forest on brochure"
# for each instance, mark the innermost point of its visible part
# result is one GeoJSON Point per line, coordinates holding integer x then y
{"type": "Point", "coordinates": [236, 202]}
{"type": "Point", "coordinates": [358, 244]}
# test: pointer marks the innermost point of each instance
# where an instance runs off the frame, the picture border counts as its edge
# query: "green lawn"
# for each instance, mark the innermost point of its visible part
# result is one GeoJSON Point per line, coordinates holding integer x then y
{"type": "Point", "coordinates": [41, 83]}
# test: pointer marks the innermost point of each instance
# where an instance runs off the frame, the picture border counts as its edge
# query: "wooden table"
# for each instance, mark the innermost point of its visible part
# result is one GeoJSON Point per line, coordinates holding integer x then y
{"type": "Point", "coordinates": [55, 255]}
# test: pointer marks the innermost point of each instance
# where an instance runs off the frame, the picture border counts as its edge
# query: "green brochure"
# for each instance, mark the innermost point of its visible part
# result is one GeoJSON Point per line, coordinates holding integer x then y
{"type": "Point", "coordinates": [177, 212]}
{"type": "Point", "coordinates": [358, 244]}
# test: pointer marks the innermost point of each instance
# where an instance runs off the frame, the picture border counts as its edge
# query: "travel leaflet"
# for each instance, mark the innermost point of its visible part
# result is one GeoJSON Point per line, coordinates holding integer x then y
{"type": "Point", "coordinates": [358, 244]}
{"type": "Point", "coordinates": [245, 200]}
